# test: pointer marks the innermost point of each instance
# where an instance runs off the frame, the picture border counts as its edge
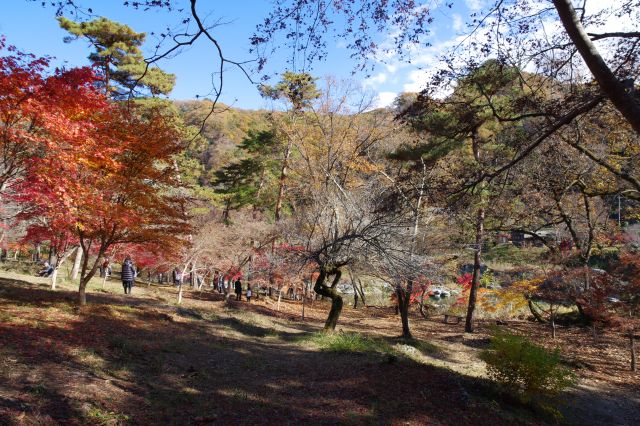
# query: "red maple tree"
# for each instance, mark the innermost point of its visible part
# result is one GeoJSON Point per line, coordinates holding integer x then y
{"type": "Point", "coordinates": [105, 175]}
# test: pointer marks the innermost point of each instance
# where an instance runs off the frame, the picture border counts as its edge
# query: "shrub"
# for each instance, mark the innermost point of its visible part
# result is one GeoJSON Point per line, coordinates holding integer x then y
{"type": "Point", "coordinates": [524, 367]}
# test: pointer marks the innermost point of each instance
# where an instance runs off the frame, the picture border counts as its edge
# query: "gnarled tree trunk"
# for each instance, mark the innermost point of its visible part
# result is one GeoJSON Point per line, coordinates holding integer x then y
{"type": "Point", "coordinates": [404, 299]}
{"type": "Point", "coordinates": [332, 293]}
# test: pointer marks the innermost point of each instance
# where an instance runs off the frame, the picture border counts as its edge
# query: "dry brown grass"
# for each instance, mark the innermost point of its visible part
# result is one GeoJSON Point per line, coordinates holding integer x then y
{"type": "Point", "coordinates": [142, 359]}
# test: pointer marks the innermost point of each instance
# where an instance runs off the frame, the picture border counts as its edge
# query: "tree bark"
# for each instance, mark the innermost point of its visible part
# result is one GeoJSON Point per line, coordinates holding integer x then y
{"type": "Point", "coordinates": [361, 292]}
{"type": "Point", "coordinates": [404, 300]}
{"type": "Point", "coordinates": [180, 288]}
{"type": "Point", "coordinates": [332, 293]}
{"type": "Point", "coordinates": [632, 349]}
{"type": "Point", "coordinates": [180, 293]}
{"type": "Point", "coordinates": [355, 291]}
{"type": "Point", "coordinates": [621, 95]}
{"type": "Point", "coordinates": [304, 298]}
{"type": "Point", "coordinates": [583, 316]}
{"type": "Point", "coordinates": [82, 290]}
{"type": "Point", "coordinates": [282, 181]}
{"type": "Point", "coordinates": [59, 261]}
{"type": "Point", "coordinates": [475, 281]}
{"type": "Point", "coordinates": [76, 264]}
{"type": "Point", "coordinates": [421, 305]}
{"type": "Point", "coordinates": [82, 294]}
{"type": "Point", "coordinates": [54, 278]}
{"type": "Point", "coordinates": [86, 274]}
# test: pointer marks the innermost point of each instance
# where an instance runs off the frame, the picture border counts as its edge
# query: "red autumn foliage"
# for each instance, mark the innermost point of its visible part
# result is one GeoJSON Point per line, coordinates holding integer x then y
{"type": "Point", "coordinates": [21, 82]}
{"type": "Point", "coordinates": [90, 171]}
{"type": "Point", "coordinates": [419, 289]}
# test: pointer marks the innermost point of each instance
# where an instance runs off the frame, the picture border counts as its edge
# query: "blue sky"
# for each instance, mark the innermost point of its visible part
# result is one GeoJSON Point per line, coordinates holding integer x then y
{"type": "Point", "coordinates": [33, 28]}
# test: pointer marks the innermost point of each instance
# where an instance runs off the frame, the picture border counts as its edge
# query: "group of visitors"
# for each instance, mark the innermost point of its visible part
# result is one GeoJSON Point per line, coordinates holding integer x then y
{"type": "Point", "coordinates": [177, 276]}
{"type": "Point", "coordinates": [129, 274]}
{"type": "Point", "coordinates": [219, 282]}
{"type": "Point", "coordinates": [238, 291]}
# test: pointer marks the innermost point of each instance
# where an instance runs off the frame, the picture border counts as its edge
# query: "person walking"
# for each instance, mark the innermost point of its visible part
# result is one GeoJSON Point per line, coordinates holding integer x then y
{"type": "Point", "coordinates": [128, 274]}
{"type": "Point", "coordinates": [238, 288]}
{"type": "Point", "coordinates": [249, 293]}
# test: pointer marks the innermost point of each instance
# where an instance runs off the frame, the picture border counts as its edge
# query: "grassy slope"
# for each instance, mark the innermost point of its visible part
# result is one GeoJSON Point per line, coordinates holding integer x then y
{"type": "Point", "coordinates": [144, 360]}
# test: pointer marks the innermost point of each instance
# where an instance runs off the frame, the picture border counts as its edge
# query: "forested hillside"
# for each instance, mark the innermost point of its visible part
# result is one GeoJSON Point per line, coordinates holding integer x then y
{"type": "Point", "coordinates": [223, 131]}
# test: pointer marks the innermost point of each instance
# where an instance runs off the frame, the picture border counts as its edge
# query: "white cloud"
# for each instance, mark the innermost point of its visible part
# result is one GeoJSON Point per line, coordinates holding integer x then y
{"type": "Point", "coordinates": [412, 70]}
{"type": "Point", "coordinates": [417, 81]}
{"type": "Point", "coordinates": [457, 22]}
{"type": "Point", "coordinates": [474, 5]}
{"type": "Point", "coordinates": [375, 80]}
{"type": "Point", "coordinates": [385, 99]}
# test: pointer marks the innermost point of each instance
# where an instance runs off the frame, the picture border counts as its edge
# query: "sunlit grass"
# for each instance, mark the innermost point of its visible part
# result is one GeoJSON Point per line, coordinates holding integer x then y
{"type": "Point", "coordinates": [347, 342]}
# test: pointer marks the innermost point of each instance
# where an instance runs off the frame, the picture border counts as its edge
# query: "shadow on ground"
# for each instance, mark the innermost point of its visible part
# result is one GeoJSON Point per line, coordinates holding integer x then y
{"type": "Point", "coordinates": [141, 363]}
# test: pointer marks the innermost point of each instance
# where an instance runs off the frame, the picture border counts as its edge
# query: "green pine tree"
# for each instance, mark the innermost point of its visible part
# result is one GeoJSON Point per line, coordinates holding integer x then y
{"type": "Point", "coordinates": [117, 53]}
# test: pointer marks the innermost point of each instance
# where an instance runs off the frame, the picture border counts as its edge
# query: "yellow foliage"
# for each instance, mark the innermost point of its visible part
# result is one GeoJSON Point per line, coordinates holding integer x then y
{"type": "Point", "coordinates": [509, 300]}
